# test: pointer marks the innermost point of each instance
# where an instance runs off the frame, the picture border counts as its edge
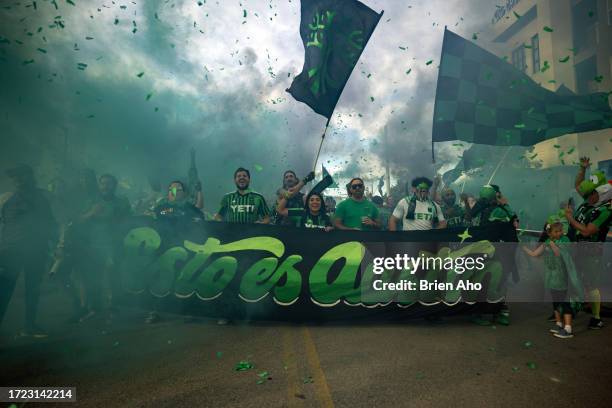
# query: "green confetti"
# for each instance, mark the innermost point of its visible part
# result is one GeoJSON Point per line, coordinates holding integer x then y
{"type": "Point", "coordinates": [515, 369]}
{"type": "Point", "coordinates": [591, 13]}
{"type": "Point", "coordinates": [371, 99]}
{"type": "Point", "coordinates": [156, 109]}
{"type": "Point", "coordinates": [520, 126]}
{"type": "Point", "coordinates": [70, 2]}
{"type": "Point", "coordinates": [598, 78]}
{"type": "Point", "coordinates": [263, 374]}
{"type": "Point", "coordinates": [530, 111]}
{"type": "Point", "coordinates": [258, 167]}
{"type": "Point", "coordinates": [564, 59]}
{"type": "Point", "coordinates": [219, 354]}
{"type": "Point", "coordinates": [548, 29]}
{"type": "Point", "coordinates": [140, 75]}
{"type": "Point", "coordinates": [557, 146]}
{"type": "Point", "coordinates": [244, 13]}
{"type": "Point", "coordinates": [533, 157]}
{"type": "Point", "coordinates": [475, 36]}
{"type": "Point", "coordinates": [552, 81]}
{"type": "Point", "coordinates": [42, 50]}
{"type": "Point", "coordinates": [243, 366]}
{"type": "Point", "coordinates": [420, 376]}
{"type": "Point", "coordinates": [402, 48]}
{"type": "Point", "coordinates": [429, 62]}
{"type": "Point", "coordinates": [527, 344]}
{"type": "Point", "coordinates": [89, 38]}
{"type": "Point", "coordinates": [527, 46]}
{"type": "Point", "coordinates": [531, 365]}
{"type": "Point", "coordinates": [28, 62]}
{"type": "Point", "coordinates": [570, 151]}
{"type": "Point", "coordinates": [116, 21]}
{"type": "Point", "coordinates": [409, 71]}
{"type": "Point", "coordinates": [517, 15]}
{"type": "Point", "coordinates": [149, 96]}
{"type": "Point", "coordinates": [308, 380]}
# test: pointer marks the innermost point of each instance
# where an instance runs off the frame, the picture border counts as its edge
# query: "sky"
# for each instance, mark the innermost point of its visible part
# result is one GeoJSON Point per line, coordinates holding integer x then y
{"type": "Point", "coordinates": [159, 77]}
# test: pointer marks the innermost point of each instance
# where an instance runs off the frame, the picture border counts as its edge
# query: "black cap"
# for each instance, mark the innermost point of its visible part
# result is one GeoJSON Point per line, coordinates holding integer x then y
{"type": "Point", "coordinates": [20, 170]}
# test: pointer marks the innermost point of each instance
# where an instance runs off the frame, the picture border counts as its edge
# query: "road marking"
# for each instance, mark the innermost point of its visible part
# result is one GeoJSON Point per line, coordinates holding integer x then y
{"type": "Point", "coordinates": [290, 361]}
{"type": "Point", "coordinates": [320, 383]}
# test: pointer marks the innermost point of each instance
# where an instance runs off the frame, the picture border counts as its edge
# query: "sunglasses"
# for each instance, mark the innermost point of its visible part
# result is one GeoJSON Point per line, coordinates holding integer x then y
{"type": "Point", "coordinates": [356, 186]}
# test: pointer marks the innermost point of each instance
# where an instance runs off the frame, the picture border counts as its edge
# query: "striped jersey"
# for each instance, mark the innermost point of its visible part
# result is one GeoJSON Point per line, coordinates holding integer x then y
{"type": "Point", "coordinates": [243, 208]}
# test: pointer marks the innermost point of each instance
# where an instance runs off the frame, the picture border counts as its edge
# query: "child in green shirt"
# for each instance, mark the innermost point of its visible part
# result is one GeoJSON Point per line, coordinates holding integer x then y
{"type": "Point", "coordinates": [560, 277]}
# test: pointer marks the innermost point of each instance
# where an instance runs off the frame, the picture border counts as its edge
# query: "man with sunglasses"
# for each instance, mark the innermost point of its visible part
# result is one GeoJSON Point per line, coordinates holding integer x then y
{"type": "Point", "coordinates": [357, 212]}
{"type": "Point", "coordinates": [418, 212]}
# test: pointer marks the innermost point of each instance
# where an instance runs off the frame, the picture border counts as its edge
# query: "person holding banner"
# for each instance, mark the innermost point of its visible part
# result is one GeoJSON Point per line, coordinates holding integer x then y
{"type": "Point", "coordinates": [293, 195]}
{"type": "Point", "coordinates": [313, 215]}
{"type": "Point", "coordinates": [243, 206]}
{"type": "Point", "coordinates": [589, 225]}
{"type": "Point", "coordinates": [418, 211]}
{"type": "Point", "coordinates": [357, 212]}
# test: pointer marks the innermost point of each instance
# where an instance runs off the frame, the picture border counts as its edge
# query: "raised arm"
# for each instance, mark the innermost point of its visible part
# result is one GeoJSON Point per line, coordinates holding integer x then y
{"type": "Point", "coordinates": [585, 163]}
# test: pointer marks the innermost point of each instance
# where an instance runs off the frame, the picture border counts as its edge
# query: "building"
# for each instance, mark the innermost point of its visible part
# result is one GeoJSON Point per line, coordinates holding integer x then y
{"type": "Point", "coordinates": [561, 42]}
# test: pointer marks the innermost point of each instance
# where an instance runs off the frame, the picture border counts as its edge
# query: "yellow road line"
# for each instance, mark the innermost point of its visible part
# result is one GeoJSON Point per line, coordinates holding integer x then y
{"type": "Point", "coordinates": [320, 383]}
{"type": "Point", "coordinates": [290, 361]}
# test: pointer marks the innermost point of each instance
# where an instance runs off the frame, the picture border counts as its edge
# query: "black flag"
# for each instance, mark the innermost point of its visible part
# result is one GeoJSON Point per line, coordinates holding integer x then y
{"type": "Point", "coordinates": [334, 33]}
{"type": "Point", "coordinates": [482, 99]}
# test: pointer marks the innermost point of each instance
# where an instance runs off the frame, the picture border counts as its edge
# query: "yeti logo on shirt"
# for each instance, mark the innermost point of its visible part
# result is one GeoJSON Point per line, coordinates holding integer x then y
{"type": "Point", "coordinates": [243, 208]}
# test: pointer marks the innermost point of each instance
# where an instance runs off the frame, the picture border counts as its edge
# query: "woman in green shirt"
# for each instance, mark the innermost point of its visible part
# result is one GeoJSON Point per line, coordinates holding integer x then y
{"type": "Point", "coordinates": [313, 215]}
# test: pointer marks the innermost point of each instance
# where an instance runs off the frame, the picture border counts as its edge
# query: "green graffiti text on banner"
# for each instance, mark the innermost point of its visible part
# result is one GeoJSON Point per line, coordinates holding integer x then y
{"type": "Point", "coordinates": [139, 246]}
{"type": "Point", "coordinates": [215, 278]}
{"type": "Point", "coordinates": [162, 273]}
{"type": "Point", "coordinates": [344, 285]}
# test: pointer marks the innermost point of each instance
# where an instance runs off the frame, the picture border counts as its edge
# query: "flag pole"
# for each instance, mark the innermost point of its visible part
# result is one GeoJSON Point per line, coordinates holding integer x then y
{"type": "Point", "coordinates": [314, 168]}
{"type": "Point", "coordinates": [433, 122]}
{"type": "Point", "coordinates": [498, 165]}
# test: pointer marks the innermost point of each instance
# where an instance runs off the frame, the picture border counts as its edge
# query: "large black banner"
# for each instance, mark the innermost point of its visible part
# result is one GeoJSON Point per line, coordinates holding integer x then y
{"type": "Point", "coordinates": [274, 272]}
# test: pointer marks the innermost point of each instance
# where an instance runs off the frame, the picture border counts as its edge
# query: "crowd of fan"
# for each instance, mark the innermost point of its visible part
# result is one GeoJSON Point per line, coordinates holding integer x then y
{"type": "Point", "coordinates": [83, 224]}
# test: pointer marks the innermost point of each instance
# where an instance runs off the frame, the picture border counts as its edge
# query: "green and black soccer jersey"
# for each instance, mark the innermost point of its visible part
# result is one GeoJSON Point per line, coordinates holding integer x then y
{"type": "Point", "coordinates": [454, 215]}
{"type": "Point", "coordinates": [243, 208]}
{"type": "Point", "coordinates": [599, 216]}
{"type": "Point", "coordinates": [308, 220]}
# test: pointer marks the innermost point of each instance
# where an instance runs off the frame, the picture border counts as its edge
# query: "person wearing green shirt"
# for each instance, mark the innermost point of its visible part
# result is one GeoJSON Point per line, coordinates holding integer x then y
{"type": "Point", "coordinates": [313, 215]}
{"type": "Point", "coordinates": [357, 212]}
{"type": "Point", "coordinates": [243, 206]}
{"type": "Point", "coordinates": [453, 213]}
{"type": "Point", "coordinates": [589, 225]}
{"type": "Point", "coordinates": [560, 277]}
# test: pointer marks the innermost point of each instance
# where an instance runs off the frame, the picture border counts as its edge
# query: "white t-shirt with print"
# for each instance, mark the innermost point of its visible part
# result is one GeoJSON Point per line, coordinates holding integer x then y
{"type": "Point", "coordinates": [423, 215]}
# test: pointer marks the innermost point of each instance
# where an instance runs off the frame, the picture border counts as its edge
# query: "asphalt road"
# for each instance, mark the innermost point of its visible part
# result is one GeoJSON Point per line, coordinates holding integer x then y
{"type": "Point", "coordinates": [176, 363]}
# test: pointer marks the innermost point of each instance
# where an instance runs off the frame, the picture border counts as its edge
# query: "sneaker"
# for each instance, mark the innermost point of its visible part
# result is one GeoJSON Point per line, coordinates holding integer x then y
{"type": "Point", "coordinates": [87, 316]}
{"type": "Point", "coordinates": [479, 320]}
{"type": "Point", "coordinates": [503, 319]}
{"type": "Point", "coordinates": [152, 317]}
{"type": "Point", "coordinates": [563, 334]}
{"type": "Point", "coordinates": [595, 324]}
{"type": "Point", "coordinates": [551, 318]}
{"type": "Point", "coordinates": [555, 329]}
{"type": "Point", "coordinates": [35, 332]}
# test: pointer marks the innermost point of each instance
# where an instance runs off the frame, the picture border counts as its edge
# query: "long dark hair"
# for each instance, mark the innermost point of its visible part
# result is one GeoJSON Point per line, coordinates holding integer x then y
{"type": "Point", "coordinates": [322, 210]}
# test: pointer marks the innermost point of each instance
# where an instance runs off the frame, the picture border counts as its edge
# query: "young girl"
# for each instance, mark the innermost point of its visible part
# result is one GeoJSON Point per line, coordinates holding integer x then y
{"type": "Point", "coordinates": [560, 277]}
